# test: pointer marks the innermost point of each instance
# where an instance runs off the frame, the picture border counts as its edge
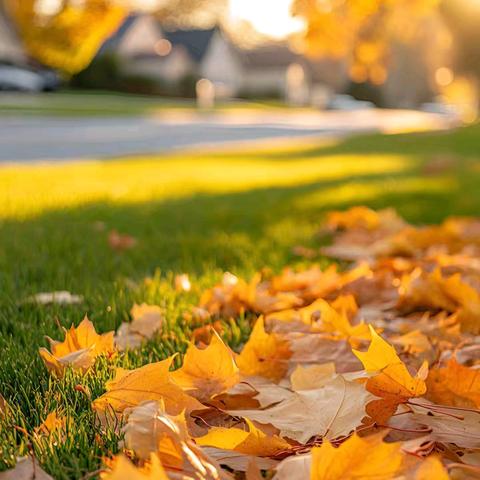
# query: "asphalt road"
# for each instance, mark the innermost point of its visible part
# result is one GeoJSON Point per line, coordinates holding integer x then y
{"type": "Point", "coordinates": [27, 139]}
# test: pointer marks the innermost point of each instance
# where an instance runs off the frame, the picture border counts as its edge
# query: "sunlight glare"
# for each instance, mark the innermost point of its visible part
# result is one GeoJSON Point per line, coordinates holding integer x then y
{"type": "Point", "coordinates": [270, 17]}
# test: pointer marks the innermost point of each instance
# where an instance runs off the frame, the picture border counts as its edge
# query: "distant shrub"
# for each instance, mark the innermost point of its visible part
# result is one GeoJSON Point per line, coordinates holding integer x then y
{"type": "Point", "coordinates": [105, 72]}
{"type": "Point", "coordinates": [252, 94]}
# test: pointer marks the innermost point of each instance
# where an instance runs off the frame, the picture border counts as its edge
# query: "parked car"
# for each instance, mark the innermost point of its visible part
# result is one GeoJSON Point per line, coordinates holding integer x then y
{"type": "Point", "coordinates": [438, 107]}
{"type": "Point", "coordinates": [25, 79]}
{"type": "Point", "coordinates": [347, 102]}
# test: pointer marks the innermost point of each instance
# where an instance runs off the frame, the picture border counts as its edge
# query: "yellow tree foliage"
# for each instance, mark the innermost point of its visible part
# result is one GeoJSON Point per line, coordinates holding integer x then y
{"type": "Point", "coordinates": [359, 30]}
{"type": "Point", "coordinates": [70, 38]}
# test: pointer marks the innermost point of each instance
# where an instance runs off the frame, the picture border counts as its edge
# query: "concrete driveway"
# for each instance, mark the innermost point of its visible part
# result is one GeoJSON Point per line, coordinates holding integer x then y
{"type": "Point", "coordinates": [27, 139]}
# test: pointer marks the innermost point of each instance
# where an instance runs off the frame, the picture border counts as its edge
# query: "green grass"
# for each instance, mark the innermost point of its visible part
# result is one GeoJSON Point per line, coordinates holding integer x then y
{"type": "Point", "coordinates": [102, 103]}
{"type": "Point", "coordinates": [200, 213]}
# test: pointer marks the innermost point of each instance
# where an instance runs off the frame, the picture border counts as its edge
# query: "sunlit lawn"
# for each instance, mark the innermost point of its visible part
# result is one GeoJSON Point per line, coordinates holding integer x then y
{"type": "Point", "coordinates": [199, 213]}
{"type": "Point", "coordinates": [100, 103]}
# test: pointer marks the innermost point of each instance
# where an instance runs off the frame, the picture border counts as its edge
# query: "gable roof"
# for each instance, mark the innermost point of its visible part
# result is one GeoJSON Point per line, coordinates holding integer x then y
{"type": "Point", "coordinates": [114, 40]}
{"type": "Point", "coordinates": [196, 41]}
{"type": "Point", "coordinates": [268, 56]}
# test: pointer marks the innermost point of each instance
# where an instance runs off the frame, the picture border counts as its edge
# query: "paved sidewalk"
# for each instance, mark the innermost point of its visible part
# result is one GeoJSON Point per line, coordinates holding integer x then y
{"type": "Point", "coordinates": [26, 139]}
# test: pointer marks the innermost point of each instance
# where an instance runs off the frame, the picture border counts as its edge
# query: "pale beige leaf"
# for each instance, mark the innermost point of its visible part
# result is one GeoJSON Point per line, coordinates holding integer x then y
{"type": "Point", "coordinates": [334, 410]}
{"type": "Point", "coordinates": [26, 468]}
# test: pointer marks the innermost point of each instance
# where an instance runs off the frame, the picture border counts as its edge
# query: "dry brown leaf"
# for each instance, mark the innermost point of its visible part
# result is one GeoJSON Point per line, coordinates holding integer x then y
{"type": "Point", "coordinates": [27, 468]}
{"type": "Point", "coordinates": [147, 320]}
{"type": "Point", "coordinates": [149, 429]}
{"type": "Point", "coordinates": [120, 242]}
{"type": "Point", "coordinates": [315, 348]}
{"type": "Point", "coordinates": [331, 411]}
{"type": "Point", "coordinates": [253, 472]}
{"type": "Point", "coordinates": [312, 376]}
{"type": "Point", "coordinates": [203, 335]}
{"type": "Point", "coordinates": [449, 426]}
{"type": "Point", "coordinates": [294, 468]}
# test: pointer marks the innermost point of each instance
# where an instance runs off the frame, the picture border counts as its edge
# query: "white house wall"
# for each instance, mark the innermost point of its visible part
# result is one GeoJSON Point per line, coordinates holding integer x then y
{"type": "Point", "coordinates": [265, 80]}
{"type": "Point", "coordinates": [10, 46]}
{"type": "Point", "coordinates": [140, 38]}
{"type": "Point", "coordinates": [221, 66]}
{"type": "Point", "coordinates": [177, 65]}
{"type": "Point", "coordinates": [172, 68]}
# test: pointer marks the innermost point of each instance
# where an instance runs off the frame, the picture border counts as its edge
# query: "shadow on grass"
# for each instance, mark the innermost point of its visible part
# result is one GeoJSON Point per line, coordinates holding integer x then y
{"type": "Point", "coordinates": [241, 231]}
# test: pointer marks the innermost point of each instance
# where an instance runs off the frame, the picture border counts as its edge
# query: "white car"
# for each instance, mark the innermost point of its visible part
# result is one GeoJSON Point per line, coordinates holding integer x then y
{"type": "Point", "coordinates": [26, 80]}
{"type": "Point", "coordinates": [347, 102]}
{"type": "Point", "coordinates": [438, 107]}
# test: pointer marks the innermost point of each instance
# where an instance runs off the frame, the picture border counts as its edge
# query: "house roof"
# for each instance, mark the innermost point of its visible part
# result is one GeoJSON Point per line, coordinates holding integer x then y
{"type": "Point", "coordinates": [196, 42]}
{"type": "Point", "coordinates": [269, 56]}
{"type": "Point", "coordinates": [114, 40]}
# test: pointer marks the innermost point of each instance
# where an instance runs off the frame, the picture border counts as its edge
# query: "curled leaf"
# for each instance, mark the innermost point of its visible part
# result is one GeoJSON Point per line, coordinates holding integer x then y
{"type": "Point", "coordinates": [82, 345]}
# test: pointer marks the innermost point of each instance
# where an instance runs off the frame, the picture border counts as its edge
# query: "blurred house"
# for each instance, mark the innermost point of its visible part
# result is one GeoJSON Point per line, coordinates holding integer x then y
{"type": "Point", "coordinates": [175, 58]}
{"type": "Point", "coordinates": [145, 48]}
{"type": "Point", "coordinates": [11, 48]}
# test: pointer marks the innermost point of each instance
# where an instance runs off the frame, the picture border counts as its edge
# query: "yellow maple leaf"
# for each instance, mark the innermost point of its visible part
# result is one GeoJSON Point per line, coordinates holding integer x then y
{"type": "Point", "coordinates": [209, 371]}
{"type": "Point", "coordinates": [130, 388]}
{"type": "Point", "coordinates": [434, 291]}
{"type": "Point", "coordinates": [355, 217]}
{"type": "Point", "coordinates": [82, 345]}
{"type": "Point", "coordinates": [431, 468]}
{"type": "Point", "coordinates": [52, 425]}
{"type": "Point", "coordinates": [332, 318]}
{"type": "Point", "coordinates": [393, 382]}
{"type": "Point", "coordinates": [251, 442]}
{"type": "Point", "coordinates": [454, 385]}
{"type": "Point", "coordinates": [124, 469]}
{"type": "Point", "coordinates": [357, 458]}
{"type": "Point", "coordinates": [265, 354]}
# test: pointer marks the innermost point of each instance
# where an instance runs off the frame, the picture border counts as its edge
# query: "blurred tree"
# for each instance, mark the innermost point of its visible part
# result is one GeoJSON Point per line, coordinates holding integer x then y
{"type": "Point", "coordinates": [360, 31]}
{"type": "Point", "coordinates": [68, 36]}
{"type": "Point", "coordinates": [188, 13]}
{"type": "Point", "coordinates": [463, 19]}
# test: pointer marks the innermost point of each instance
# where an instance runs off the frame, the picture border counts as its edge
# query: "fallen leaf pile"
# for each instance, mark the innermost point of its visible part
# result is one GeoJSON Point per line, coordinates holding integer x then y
{"type": "Point", "coordinates": [367, 372]}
